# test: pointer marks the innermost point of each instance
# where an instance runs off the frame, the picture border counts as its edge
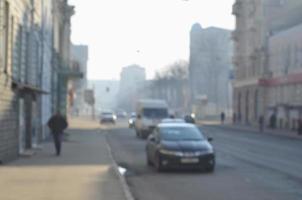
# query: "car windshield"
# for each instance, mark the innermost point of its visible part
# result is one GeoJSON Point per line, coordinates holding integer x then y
{"type": "Point", "coordinates": [181, 133]}
{"type": "Point", "coordinates": [107, 113]}
{"type": "Point", "coordinates": [155, 112]}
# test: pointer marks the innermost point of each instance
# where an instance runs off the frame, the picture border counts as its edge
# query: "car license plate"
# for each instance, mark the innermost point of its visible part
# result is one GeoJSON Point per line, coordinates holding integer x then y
{"type": "Point", "coordinates": [189, 160]}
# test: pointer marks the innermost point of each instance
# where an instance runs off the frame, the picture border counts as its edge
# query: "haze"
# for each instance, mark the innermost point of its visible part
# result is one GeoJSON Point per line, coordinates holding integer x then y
{"type": "Point", "coordinates": [151, 33]}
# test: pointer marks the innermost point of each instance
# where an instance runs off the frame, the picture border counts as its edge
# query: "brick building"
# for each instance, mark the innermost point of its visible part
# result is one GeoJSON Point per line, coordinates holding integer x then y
{"type": "Point", "coordinates": [27, 47]}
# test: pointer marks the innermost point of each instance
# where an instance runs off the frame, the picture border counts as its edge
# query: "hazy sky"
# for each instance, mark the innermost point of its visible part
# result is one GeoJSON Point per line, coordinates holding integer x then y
{"type": "Point", "coordinates": [151, 33]}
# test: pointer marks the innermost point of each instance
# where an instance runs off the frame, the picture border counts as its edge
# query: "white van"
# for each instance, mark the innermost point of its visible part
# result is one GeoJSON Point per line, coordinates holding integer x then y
{"type": "Point", "coordinates": [149, 112]}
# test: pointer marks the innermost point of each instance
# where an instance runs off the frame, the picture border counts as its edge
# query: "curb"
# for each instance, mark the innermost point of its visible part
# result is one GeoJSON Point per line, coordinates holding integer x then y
{"type": "Point", "coordinates": [122, 179]}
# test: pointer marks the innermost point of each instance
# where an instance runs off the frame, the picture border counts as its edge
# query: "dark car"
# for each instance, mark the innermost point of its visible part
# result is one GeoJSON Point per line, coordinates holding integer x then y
{"type": "Point", "coordinates": [179, 145]}
{"type": "Point", "coordinates": [121, 114]}
{"type": "Point", "coordinates": [108, 117]}
{"type": "Point", "coordinates": [189, 119]}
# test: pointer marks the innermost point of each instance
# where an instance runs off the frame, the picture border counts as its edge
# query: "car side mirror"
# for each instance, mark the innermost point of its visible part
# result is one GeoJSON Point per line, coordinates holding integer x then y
{"type": "Point", "coordinates": [139, 116]}
{"type": "Point", "coordinates": [210, 139]}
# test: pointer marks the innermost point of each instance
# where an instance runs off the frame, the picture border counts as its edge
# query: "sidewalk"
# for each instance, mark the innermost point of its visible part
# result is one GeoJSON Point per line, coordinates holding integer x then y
{"type": "Point", "coordinates": [238, 127]}
{"type": "Point", "coordinates": [83, 172]}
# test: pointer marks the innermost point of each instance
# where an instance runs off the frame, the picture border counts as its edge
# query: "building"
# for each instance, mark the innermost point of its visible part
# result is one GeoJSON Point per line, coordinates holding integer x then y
{"type": "Point", "coordinates": [79, 59]}
{"type": "Point", "coordinates": [266, 57]}
{"type": "Point", "coordinates": [132, 79]}
{"type": "Point", "coordinates": [63, 70]}
{"type": "Point", "coordinates": [34, 39]}
{"type": "Point", "coordinates": [20, 76]}
{"type": "Point", "coordinates": [284, 87]}
{"type": "Point", "coordinates": [209, 68]}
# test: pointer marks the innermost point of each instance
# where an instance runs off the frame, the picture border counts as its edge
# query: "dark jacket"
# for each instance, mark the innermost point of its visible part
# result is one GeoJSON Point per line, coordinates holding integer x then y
{"type": "Point", "coordinates": [57, 124]}
{"type": "Point", "coordinates": [300, 126]}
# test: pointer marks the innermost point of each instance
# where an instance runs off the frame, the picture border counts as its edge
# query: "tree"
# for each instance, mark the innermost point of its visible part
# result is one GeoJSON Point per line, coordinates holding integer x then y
{"type": "Point", "coordinates": [171, 84]}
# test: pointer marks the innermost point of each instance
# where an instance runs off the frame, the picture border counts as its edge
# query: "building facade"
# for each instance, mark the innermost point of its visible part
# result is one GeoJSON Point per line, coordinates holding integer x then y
{"type": "Point", "coordinates": [284, 87]}
{"type": "Point", "coordinates": [79, 59]}
{"type": "Point", "coordinates": [210, 67]}
{"type": "Point", "coordinates": [27, 67]}
{"type": "Point", "coordinates": [264, 41]}
{"type": "Point", "coordinates": [20, 81]}
{"type": "Point", "coordinates": [132, 79]}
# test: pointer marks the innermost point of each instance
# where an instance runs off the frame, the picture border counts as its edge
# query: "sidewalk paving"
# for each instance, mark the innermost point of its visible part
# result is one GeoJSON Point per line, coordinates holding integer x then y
{"type": "Point", "coordinates": [244, 128]}
{"type": "Point", "coordinates": [84, 171]}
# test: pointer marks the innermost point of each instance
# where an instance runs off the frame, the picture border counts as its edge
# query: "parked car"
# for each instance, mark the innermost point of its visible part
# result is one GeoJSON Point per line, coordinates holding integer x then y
{"type": "Point", "coordinates": [108, 117]}
{"type": "Point", "coordinates": [179, 145]}
{"type": "Point", "coordinates": [190, 118]}
{"type": "Point", "coordinates": [131, 120]}
{"type": "Point", "coordinates": [121, 114]}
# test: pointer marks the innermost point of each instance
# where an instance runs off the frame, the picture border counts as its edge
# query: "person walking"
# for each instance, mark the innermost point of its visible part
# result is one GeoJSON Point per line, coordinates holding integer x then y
{"type": "Point", "coordinates": [234, 118]}
{"type": "Point", "coordinates": [261, 123]}
{"type": "Point", "coordinates": [222, 117]}
{"type": "Point", "coordinates": [57, 124]}
{"type": "Point", "coordinates": [300, 126]}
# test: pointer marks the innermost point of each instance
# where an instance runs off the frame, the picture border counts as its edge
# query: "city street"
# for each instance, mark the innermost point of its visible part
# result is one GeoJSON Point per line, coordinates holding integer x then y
{"type": "Point", "coordinates": [249, 166]}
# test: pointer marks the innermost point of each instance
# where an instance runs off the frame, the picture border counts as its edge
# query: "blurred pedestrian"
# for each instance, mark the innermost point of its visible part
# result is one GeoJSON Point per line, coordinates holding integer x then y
{"type": "Point", "coordinates": [300, 126]}
{"type": "Point", "coordinates": [234, 118]}
{"type": "Point", "coordinates": [239, 117]}
{"type": "Point", "coordinates": [261, 123]}
{"type": "Point", "coordinates": [273, 121]}
{"type": "Point", "coordinates": [222, 117]}
{"type": "Point", "coordinates": [57, 124]}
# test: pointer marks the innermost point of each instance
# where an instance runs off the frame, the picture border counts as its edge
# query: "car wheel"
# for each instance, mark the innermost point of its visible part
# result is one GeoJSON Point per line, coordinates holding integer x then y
{"type": "Point", "coordinates": [157, 164]}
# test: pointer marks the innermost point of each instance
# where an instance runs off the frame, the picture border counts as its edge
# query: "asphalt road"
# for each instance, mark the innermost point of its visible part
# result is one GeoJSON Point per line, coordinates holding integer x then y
{"type": "Point", "coordinates": [249, 167]}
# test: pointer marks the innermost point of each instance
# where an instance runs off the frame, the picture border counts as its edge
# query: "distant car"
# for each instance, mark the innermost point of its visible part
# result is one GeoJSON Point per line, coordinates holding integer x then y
{"type": "Point", "coordinates": [179, 145]}
{"type": "Point", "coordinates": [175, 120]}
{"type": "Point", "coordinates": [131, 120]}
{"type": "Point", "coordinates": [121, 114]}
{"type": "Point", "coordinates": [108, 117]}
{"type": "Point", "coordinates": [189, 119]}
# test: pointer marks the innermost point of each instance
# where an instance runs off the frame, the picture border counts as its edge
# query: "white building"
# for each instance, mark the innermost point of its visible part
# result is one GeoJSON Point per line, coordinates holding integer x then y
{"type": "Point", "coordinates": [132, 79]}
{"type": "Point", "coordinates": [79, 60]}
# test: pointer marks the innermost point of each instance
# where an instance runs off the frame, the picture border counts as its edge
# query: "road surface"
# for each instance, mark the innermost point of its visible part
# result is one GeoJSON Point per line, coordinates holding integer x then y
{"type": "Point", "coordinates": [249, 166]}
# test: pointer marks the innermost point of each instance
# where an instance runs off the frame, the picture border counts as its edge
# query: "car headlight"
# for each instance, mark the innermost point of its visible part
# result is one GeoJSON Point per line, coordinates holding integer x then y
{"type": "Point", "coordinates": [130, 121]}
{"type": "Point", "coordinates": [114, 117]}
{"type": "Point", "coordinates": [171, 153]}
{"type": "Point", "coordinates": [193, 115]}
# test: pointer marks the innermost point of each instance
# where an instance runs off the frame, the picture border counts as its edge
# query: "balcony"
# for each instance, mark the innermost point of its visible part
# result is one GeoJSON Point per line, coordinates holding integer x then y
{"type": "Point", "coordinates": [71, 73]}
